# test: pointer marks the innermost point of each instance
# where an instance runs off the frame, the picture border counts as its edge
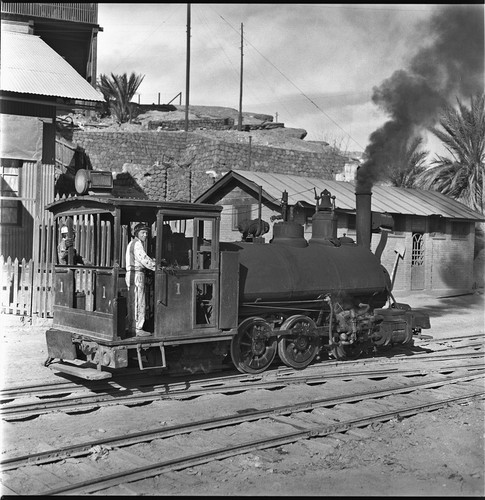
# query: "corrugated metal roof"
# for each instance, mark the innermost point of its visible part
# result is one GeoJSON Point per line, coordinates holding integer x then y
{"type": "Point", "coordinates": [384, 198]}
{"type": "Point", "coordinates": [30, 66]}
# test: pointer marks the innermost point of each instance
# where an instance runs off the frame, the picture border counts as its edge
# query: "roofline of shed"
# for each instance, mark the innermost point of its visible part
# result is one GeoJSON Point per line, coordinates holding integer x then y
{"type": "Point", "coordinates": [238, 177]}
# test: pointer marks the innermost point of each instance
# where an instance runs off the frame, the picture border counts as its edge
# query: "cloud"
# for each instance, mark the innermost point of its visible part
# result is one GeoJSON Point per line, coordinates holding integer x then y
{"type": "Point", "coordinates": [331, 54]}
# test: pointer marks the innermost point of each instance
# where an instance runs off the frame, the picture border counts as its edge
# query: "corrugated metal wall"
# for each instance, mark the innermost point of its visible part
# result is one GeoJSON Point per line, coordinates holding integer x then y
{"type": "Point", "coordinates": [36, 190]}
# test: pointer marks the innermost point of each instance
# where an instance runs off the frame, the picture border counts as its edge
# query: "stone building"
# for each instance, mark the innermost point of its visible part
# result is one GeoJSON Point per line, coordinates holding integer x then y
{"type": "Point", "coordinates": [430, 248]}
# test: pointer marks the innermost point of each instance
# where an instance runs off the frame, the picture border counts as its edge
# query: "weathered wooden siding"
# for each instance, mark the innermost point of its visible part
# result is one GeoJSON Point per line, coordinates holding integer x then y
{"type": "Point", "coordinates": [76, 12]}
{"type": "Point", "coordinates": [36, 183]}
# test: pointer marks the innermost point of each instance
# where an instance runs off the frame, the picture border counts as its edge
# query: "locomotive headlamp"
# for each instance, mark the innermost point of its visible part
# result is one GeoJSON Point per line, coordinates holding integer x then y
{"type": "Point", "coordinates": [93, 181]}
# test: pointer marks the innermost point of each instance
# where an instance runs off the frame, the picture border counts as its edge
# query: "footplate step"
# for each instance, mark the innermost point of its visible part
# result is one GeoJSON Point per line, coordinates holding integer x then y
{"type": "Point", "coordinates": [79, 371]}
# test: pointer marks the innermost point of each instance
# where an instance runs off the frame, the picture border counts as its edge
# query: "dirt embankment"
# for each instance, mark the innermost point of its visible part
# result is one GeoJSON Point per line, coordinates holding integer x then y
{"type": "Point", "coordinates": [261, 128]}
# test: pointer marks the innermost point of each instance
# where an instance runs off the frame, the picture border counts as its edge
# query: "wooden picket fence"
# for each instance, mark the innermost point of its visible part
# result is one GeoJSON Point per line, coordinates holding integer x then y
{"type": "Point", "coordinates": [26, 287]}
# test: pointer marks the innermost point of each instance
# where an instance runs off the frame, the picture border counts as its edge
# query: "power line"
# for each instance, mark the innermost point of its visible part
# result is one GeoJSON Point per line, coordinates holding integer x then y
{"type": "Point", "coordinates": [144, 40]}
{"type": "Point", "coordinates": [357, 7]}
{"type": "Point", "coordinates": [294, 85]}
{"type": "Point", "coordinates": [206, 24]}
{"type": "Point", "coordinates": [214, 34]}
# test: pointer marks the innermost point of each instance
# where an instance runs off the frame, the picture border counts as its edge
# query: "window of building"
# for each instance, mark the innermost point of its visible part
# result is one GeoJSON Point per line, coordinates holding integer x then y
{"type": "Point", "coordinates": [417, 254]}
{"type": "Point", "coordinates": [10, 205]}
{"type": "Point", "coordinates": [240, 213]}
{"type": "Point", "coordinates": [460, 229]}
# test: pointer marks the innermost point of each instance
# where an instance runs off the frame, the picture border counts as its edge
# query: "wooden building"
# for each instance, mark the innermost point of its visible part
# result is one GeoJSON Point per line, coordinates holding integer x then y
{"type": "Point", "coordinates": [430, 248]}
{"type": "Point", "coordinates": [36, 84]}
{"type": "Point", "coordinates": [70, 29]}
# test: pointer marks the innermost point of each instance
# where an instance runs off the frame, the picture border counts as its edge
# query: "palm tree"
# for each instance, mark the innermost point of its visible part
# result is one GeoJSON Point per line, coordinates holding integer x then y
{"type": "Point", "coordinates": [407, 163]}
{"type": "Point", "coordinates": [463, 135]}
{"type": "Point", "coordinates": [118, 91]}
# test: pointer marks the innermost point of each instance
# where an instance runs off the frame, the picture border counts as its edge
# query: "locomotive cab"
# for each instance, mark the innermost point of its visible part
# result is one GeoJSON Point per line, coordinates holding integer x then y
{"type": "Point", "coordinates": [183, 293]}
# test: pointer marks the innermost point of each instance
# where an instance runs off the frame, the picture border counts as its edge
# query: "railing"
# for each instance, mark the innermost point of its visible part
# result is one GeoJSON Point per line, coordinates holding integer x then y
{"type": "Point", "coordinates": [75, 12]}
{"type": "Point", "coordinates": [26, 288]}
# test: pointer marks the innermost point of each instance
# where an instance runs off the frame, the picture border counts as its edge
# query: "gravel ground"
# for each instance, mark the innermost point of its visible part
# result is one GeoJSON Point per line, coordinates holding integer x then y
{"type": "Point", "coordinates": [432, 454]}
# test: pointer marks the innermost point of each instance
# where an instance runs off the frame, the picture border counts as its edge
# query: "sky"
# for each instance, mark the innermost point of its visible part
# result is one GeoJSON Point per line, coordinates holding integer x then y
{"type": "Point", "coordinates": [310, 66]}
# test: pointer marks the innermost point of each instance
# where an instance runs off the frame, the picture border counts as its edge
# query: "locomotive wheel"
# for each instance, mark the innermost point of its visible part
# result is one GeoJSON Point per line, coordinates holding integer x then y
{"type": "Point", "coordinates": [350, 351]}
{"type": "Point", "coordinates": [251, 350]}
{"type": "Point", "coordinates": [298, 350]}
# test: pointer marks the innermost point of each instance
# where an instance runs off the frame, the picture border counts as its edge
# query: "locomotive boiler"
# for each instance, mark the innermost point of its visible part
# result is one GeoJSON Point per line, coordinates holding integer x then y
{"type": "Point", "coordinates": [252, 302]}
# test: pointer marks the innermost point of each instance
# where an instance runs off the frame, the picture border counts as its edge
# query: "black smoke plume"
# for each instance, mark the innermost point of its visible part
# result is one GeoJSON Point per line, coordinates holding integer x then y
{"type": "Point", "coordinates": [450, 66]}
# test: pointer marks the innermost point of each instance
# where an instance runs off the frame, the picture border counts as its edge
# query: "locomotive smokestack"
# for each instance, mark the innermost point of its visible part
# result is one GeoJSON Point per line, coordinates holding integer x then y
{"type": "Point", "coordinates": [363, 217]}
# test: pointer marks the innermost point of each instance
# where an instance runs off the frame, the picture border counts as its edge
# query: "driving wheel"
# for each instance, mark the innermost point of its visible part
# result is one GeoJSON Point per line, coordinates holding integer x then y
{"type": "Point", "coordinates": [252, 351]}
{"type": "Point", "coordinates": [299, 349]}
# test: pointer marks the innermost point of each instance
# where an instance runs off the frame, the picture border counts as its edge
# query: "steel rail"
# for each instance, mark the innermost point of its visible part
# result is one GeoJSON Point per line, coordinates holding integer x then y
{"type": "Point", "coordinates": [114, 385]}
{"type": "Point", "coordinates": [151, 470]}
{"type": "Point", "coordinates": [449, 339]}
{"type": "Point", "coordinates": [51, 388]}
{"type": "Point", "coordinates": [55, 388]}
{"type": "Point", "coordinates": [87, 402]}
{"type": "Point", "coordinates": [467, 346]}
{"type": "Point", "coordinates": [439, 356]}
{"type": "Point", "coordinates": [216, 422]}
{"type": "Point", "coordinates": [136, 396]}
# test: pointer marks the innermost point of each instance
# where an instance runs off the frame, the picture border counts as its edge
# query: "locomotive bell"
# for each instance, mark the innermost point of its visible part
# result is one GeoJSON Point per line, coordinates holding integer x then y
{"type": "Point", "coordinates": [324, 220]}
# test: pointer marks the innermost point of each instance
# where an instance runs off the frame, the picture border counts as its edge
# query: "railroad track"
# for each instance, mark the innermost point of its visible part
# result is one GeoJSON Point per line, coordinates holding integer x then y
{"type": "Point", "coordinates": [130, 458]}
{"type": "Point", "coordinates": [135, 379]}
{"type": "Point", "coordinates": [458, 342]}
{"type": "Point", "coordinates": [27, 402]}
{"type": "Point", "coordinates": [61, 400]}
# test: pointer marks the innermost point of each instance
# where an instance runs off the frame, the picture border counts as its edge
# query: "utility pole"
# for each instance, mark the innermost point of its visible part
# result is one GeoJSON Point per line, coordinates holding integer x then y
{"type": "Point", "coordinates": [187, 73]}
{"type": "Point", "coordinates": [239, 120]}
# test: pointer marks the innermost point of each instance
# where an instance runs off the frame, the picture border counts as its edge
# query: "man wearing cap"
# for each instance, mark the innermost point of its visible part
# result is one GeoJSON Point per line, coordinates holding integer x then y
{"type": "Point", "coordinates": [63, 248]}
{"type": "Point", "coordinates": [136, 262]}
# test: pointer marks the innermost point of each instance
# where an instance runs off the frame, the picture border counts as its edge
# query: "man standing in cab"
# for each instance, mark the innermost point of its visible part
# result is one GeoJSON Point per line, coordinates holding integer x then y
{"type": "Point", "coordinates": [137, 261]}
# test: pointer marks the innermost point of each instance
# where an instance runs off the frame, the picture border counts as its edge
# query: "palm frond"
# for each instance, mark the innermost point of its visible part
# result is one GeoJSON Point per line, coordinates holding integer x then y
{"type": "Point", "coordinates": [462, 132]}
{"type": "Point", "coordinates": [118, 91]}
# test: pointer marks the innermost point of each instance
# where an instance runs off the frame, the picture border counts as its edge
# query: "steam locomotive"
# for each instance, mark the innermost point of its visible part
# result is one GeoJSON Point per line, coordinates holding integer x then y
{"type": "Point", "coordinates": [211, 302]}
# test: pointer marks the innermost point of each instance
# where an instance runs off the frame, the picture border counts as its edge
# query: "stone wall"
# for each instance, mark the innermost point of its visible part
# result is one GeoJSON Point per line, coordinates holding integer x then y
{"type": "Point", "coordinates": [172, 165]}
{"type": "Point", "coordinates": [208, 123]}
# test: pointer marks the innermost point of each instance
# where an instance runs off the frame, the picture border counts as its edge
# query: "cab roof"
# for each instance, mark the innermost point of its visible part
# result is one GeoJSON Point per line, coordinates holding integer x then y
{"type": "Point", "coordinates": [108, 203]}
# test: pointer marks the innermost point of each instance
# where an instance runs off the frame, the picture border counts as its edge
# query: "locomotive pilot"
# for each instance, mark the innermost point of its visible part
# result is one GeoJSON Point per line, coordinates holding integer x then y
{"type": "Point", "coordinates": [137, 261]}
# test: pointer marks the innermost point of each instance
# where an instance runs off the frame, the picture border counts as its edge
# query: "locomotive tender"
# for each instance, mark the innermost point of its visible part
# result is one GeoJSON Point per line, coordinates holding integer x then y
{"type": "Point", "coordinates": [247, 301]}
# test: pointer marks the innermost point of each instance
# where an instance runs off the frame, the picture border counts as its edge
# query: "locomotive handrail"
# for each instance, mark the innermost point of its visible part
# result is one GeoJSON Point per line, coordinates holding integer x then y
{"type": "Point", "coordinates": [107, 271]}
{"type": "Point", "coordinates": [77, 266]}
